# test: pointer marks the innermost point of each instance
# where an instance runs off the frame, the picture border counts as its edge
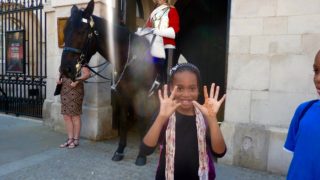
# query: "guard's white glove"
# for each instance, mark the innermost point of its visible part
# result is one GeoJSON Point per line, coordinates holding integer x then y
{"type": "Point", "coordinates": [168, 32]}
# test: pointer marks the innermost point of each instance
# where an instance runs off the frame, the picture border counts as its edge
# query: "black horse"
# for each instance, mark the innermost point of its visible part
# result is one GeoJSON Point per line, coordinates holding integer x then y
{"type": "Point", "coordinates": [86, 34]}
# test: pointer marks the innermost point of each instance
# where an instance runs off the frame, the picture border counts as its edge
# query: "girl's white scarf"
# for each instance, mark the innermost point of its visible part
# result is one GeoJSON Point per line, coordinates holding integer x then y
{"type": "Point", "coordinates": [171, 146]}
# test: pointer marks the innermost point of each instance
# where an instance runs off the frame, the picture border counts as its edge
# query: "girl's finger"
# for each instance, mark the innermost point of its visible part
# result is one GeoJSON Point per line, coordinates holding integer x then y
{"type": "Point", "coordinates": [177, 105]}
{"type": "Point", "coordinates": [196, 104]}
{"type": "Point", "coordinates": [205, 92]}
{"type": "Point", "coordinates": [212, 90]}
{"type": "Point", "coordinates": [165, 91]}
{"type": "Point", "coordinates": [175, 102]}
{"type": "Point", "coordinates": [216, 94]}
{"type": "Point", "coordinates": [199, 106]}
{"type": "Point", "coordinates": [222, 99]}
{"type": "Point", "coordinates": [173, 92]}
{"type": "Point", "coordinates": [160, 95]}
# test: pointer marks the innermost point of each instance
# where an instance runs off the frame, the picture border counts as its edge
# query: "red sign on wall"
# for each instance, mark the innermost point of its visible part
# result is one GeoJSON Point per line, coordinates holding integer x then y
{"type": "Point", "coordinates": [15, 52]}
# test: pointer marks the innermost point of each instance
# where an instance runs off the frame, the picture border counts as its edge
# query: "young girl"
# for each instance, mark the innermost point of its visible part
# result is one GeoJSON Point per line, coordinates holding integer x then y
{"type": "Point", "coordinates": [188, 132]}
{"type": "Point", "coordinates": [304, 135]}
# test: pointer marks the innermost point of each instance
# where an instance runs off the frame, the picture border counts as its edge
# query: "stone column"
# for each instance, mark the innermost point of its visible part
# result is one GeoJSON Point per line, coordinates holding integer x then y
{"type": "Point", "coordinates": [272, 45]}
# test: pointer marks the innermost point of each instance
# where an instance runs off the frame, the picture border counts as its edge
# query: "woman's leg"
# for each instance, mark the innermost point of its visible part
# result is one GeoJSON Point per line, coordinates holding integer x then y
{"type": "Point", "coordinates": [76, 128]}
{"type": "Point", "coordinates": [69, 125]}
{"type": "Point", "coordinates": [69, 128]}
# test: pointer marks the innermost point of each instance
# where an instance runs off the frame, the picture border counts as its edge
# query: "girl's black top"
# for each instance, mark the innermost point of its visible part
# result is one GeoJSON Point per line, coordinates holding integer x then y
{"type": "Point", "coordinates": [186, 162]}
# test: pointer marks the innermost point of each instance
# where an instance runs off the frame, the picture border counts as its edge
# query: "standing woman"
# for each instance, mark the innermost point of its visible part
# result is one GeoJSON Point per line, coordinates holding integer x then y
{"type": "Point", "coordinates": [188, 132]}
{"type": "Point", "coordinates": [164, 20]}
{"type": "Point", "coordinates": [72, 94]}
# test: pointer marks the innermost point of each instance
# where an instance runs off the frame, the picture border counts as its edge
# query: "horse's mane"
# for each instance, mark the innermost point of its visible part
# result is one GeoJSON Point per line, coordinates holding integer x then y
{"type": "Point", "coordinates": [121, 32]}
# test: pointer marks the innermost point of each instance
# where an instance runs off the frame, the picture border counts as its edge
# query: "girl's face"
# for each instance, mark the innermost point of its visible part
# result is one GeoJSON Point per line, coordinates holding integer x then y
{"type": "Point", "coordinates": [187, 90]}
{"type": "Point", "coordinates": [316, 68]}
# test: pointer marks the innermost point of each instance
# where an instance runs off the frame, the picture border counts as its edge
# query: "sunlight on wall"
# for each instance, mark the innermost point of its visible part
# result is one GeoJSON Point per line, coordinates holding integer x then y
{"type": "Point", "coordinates": [109, 15]}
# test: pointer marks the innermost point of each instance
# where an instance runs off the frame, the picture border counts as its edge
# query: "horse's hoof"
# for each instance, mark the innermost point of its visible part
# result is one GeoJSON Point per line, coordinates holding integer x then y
{"type": "Point", "coordinates": [141, 160]}
{"type": "Point", "coordinates": [117, 156]}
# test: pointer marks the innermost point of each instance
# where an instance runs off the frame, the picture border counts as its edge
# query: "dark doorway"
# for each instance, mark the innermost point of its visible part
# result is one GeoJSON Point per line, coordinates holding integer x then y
{"type": "Point", "coordinates": [203, 37]}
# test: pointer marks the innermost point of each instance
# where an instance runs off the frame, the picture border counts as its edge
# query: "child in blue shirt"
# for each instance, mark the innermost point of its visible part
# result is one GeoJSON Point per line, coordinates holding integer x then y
{"type": "Point", "coordinates": [304, 136]}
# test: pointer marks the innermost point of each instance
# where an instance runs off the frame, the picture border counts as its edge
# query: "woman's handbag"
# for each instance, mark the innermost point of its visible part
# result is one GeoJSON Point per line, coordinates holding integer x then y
{"type": "Point", "coordinates": [57, 91]}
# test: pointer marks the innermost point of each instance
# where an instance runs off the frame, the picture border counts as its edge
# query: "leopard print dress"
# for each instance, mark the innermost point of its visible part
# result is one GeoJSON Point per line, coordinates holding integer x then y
{"type": "Point", "coordinates": [71, 98]}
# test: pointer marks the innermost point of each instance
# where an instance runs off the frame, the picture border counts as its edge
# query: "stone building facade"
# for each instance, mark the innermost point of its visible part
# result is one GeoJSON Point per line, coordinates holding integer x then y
{"type": "Point", "coordinates": [272, 45]}
{"type": "Point", "coordinates": [269, 72]}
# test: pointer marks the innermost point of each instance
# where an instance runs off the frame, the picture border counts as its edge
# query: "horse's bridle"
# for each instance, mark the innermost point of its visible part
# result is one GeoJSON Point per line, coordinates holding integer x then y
{"type": "Point", "coordinates": [84, 54]}
{"type": "Point", "coordinates": [84, 51]}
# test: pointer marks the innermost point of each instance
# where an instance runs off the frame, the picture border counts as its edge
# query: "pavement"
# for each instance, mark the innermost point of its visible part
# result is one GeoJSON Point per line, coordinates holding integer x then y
{"type": "Point", "coordinates": [29, 150]}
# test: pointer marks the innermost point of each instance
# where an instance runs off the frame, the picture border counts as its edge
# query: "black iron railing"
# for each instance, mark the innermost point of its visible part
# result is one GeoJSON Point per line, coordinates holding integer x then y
{"type": "Point", "coordinates": [22, 57]}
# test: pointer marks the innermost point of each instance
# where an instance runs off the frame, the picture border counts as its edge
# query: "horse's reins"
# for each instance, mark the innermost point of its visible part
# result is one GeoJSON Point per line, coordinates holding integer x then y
{"type": "Point", "coordinates": [114, 85]}
{"type": "Point", "coordinates": [82, 56]}
{"type": "Point", "coordinates": [129, 60]}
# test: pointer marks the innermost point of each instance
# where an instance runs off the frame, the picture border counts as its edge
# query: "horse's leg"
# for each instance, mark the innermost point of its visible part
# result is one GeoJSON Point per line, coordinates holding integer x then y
{"type": "Point", "coordinates": [118, 155]}
{"type": "Point", "coordinates": [148, 107]}
{"type": "Point", "coordinates": [115, 110]}
{"type": "Point", "coordinates": [141, 158]}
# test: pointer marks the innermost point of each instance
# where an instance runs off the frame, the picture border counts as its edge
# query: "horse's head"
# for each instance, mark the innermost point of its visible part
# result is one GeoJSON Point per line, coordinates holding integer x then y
{"type": "Point", "coordinates": [80, 38]}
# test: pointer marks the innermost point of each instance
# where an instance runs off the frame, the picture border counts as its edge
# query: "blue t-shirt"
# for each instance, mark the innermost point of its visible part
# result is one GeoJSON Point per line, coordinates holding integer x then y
{"type": "Point", "coordinates": [304, 141]}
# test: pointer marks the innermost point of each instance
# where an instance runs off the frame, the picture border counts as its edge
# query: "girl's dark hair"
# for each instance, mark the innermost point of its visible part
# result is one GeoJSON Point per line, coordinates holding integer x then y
{"type": "Point", "coordinates": [185, 67]}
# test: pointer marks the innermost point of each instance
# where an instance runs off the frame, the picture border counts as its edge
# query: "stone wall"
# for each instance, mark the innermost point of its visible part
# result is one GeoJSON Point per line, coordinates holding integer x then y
{"type": "Point", "coordinates": [97, 111]}
{"type": "Point", "coordinates": [272, 45]}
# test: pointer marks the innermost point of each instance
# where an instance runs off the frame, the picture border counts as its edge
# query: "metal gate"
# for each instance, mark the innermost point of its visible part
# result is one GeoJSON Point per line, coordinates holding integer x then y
{"type": "Point", "coordinates": [22, 57]}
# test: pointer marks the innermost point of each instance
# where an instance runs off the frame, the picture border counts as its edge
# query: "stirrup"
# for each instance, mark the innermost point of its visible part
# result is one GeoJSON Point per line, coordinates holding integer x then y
{"type": "Point", "coordinates": [155, 86]}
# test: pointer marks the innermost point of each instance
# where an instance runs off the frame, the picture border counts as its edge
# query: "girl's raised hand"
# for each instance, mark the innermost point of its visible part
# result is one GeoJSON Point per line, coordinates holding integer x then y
{"type": "Point", "coordinates": [167, 103]}
{"type": "Point", "coordinates": [211, 105]}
